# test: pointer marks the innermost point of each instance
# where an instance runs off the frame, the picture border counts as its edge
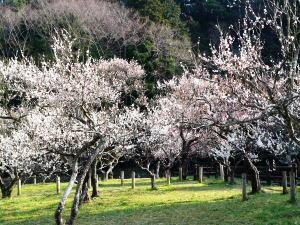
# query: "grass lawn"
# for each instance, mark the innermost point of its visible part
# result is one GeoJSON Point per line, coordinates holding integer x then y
{"type": "Point", "coordinates": [211, 202]}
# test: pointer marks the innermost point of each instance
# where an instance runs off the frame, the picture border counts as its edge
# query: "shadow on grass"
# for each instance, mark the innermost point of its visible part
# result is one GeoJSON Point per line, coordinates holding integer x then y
{"type": "Point", "coordinates": [259, 209]}
{"type": "Point", "coordinates": [265, 208]}
{"type": "Point", "coordinates": [230, 210]}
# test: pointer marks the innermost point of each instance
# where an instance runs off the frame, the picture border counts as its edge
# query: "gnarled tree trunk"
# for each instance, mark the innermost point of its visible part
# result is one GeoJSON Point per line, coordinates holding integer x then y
{"type": "Point", "coordinates": [85, 197]}
{"type": "Point", "coordinates": [7, 185]}
{"type": "Point", "coordinates": [231, 172]}
{"type": "Point", "coordinates": [253, 174]}
{"type": "Point", "coordinates": [80, 189]}
{"type": "Point", "coordinates": [185, 168]}
{"type": "Point", "coordinates": [227, 173]}
{"type": "Point", "coordinates": [95, 192]}
{"type": "Point", "coordinates": [6, 190]}
{"type": "Point", "coordinates": [62, 202]}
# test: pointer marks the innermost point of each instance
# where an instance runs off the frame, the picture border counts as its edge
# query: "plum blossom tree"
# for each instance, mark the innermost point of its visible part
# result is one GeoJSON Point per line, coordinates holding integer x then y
{"type": "Point", "coordinates": [19, 155]}
{"type": "Point", "coordinates": [16, 159]}
{"type": "Point", "coordinates": [158, 142]}
{"type": "Point", "coordinates": [80, 113]}
{"type": "Point", "coordinates": [265, 88]}
{"type": "Point", "coordinates": [237, 84]}
{"type": "Point", "coordinates": [262, 86]}
{"type": "Point", "coordinates": [192, 109]}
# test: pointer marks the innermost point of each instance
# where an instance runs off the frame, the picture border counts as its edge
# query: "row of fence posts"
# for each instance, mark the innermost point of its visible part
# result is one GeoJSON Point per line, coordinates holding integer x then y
{"type": "Point", "coordinates": [168, 176]}
{"type": "Point", "coordinates": [122, 177]}
{"type": "Point", "coordinates": [199, 172]}
{"type": "Point", "coordinates": [57, 181]}
{"type": "Point", "coordinates": [293, 186]}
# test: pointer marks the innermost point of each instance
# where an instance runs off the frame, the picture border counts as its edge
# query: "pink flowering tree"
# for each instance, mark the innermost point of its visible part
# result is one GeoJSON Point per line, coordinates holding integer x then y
{"type": "Point", "coordinates": [237, 85]}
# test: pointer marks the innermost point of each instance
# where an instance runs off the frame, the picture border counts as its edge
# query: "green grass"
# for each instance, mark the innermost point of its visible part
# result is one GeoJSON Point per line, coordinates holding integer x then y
{"type": "Point", "coordinates": [183, 203]}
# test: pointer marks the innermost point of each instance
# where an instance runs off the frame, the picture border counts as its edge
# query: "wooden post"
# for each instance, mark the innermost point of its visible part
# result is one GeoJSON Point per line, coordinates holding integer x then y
{"type": "Point", "coordinates": [244, 187]}
{"type": "Point", "coordinates": [19, 186]}
{"type": "Point", "coordinates": [90, 179]}
{"type": "Point", "coordinates": [169, 178]}
{"type": "Point", "coordinates": [284, 183]}
{"type": "Point", "coordinates": [180, 173]}
{"type": "Point", "coordinates": [222, 172]}
{"type": "Point", "coordinates": [200, 174]}
{"type": "Point", "coordinates": [133, 180]}
{"type": "Point", "coordinates": [122, 178]}
{"type": "Point", "coordinates": [57, 185]}
{"type": "Point", "coordinates": [196, 174]}
{"type": "Point", "coordinates": [34, 179]}
{"type": "Point", "coordinates": [293, 189]}
{"type": "Point", "coordinates": [157, 169]}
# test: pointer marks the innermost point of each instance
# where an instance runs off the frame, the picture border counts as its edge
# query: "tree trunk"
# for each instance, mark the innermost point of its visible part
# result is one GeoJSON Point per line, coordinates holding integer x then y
{"type": "Point", "coordinates": [284, 183]}
{"type": "Point", "coordinates": [6, 191]}
{"type": "Point", "coordinates": [196, 176]}
{"type": "Point", "coordinates": [78, 192]}
{"type": "Point", "coordinates": [109, 172]}
{"type": "Point", "coordinates": [62, 202]}
{"type": "Point", "coordinates": [254, 175]}
{"type": "Point", "coordinates": [95, 192]}
{"type": "Point", "coordinates": [226, 173]}
{"type": "Point", "coordinates": [76, 200]}
{"type": "Point", "coordinates": [293, 187]}
{"type": "Point", "coordinates": [184, 169]}
{"type": "Point", "coordinates": [180, 173]}
{"type": "Point", "coordinates": [168, 175]}
{"type": "Point", "coordinates": [231, 171]}
{"type": "Point", "coordinates": [85, 197]}
{"type": "Point", "coordinates": [8, 185]}
{"type": "Point", "coordinates": [153, 184]}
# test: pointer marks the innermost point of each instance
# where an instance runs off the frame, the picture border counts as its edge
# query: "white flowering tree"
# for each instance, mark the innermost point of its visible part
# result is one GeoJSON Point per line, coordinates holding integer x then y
{"type": "Point", "coordinates": [16, 159]}
{"type": "Point", "coordinates": [158, 143]}
{"type": "Point", "coordinates": [19, 156]}
{"type": "Point", "coordinates": [80, 113]}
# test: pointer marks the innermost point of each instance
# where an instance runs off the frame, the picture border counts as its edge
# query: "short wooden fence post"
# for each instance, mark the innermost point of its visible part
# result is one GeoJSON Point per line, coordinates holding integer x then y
{"type": "Point", "coordinates": [133, 180]}
{"type": "Point", "coordinates": [244, 187]}
{"type": "Point", "coordinates": [122, 178]}
{"type": "Point", "coordinates": [19, 187]}
{"type": "Point", "coordinates": [200, 174]}
{"type": "Point", "coordinates": [57, 185]}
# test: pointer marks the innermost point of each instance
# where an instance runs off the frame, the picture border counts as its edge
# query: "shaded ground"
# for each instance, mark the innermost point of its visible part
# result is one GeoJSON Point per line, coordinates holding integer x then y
{"type": "Point", "coordinates": [181, 203]}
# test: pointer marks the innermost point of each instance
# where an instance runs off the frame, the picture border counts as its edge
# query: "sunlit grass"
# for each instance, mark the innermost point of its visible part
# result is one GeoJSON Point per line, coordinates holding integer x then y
{"type": "Point", "coordinates": [211, 202]}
